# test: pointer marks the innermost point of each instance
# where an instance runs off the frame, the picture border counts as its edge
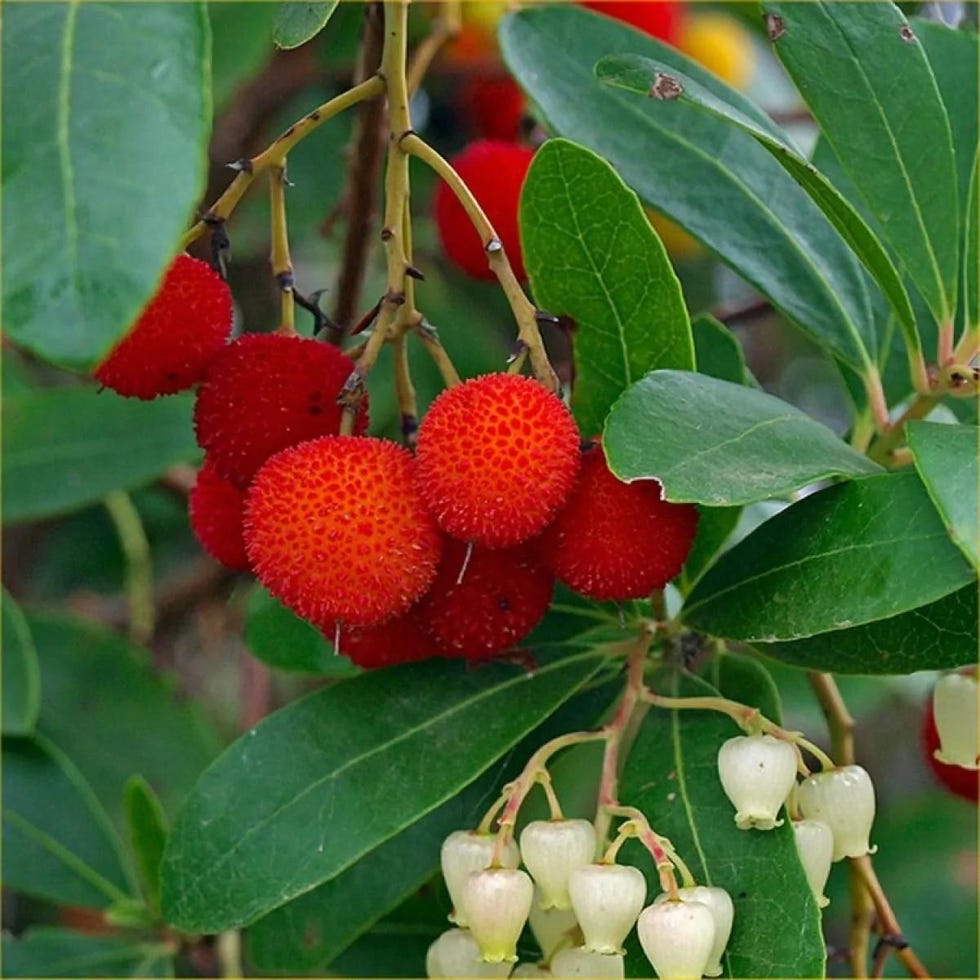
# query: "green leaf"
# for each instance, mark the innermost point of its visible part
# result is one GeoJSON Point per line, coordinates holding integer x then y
{"type": "Point", "coordinates": [592, 255]}
{"type": "Point", "coordinates": [89, 224]}
{"type": "Point", "coordinates": [297, 23]}
{"type": "Point", "coordinates": [971, 253]}
{"type": "Point", "coordinates": [672, 776]}
{"type": "Point", "coordinates": [58, 843]}
{"type": "Point", "coordinates": [46, 951]}
{"type": "Point", "coordinates": [241, 44]}
{"type": "Point", "coordinates": [744, 679]}
{"type": "Point", "coordinates": [847, 555]}
{"type": "Point", "coordinates": [714, 442]}
{"type": "Point", "coordinates": [715, 525]}
{"type": "Point", "coordinates": [718, 184]}
{"type": "Point", "coordinates": [281, 639]}
{"type": "Point", "coordinates": [96, 686]}
{"type": "Point", "coordinates": [946, 459]}
{"type": "Point", "coordinates": [354, 764]}
{"type": "Point", "coordinates": [866, 79]}
{"type": "Point", "coordinates": [65, 448]}
{"type": "Point", "coordinates": [637, 75]}
{"type": "Point", "coordinates": [21, 675]}
{"type": "Point", "coordinates": [938, 636]}
{"type": "Point", "coordinates": [718, 352]}
{"type": "Point", "coordinates": [147, 833]}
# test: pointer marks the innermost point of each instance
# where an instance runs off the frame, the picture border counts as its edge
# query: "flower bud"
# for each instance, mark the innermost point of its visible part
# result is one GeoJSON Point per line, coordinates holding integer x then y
{"type": "Point", "coordinates": [606, 899]}
{"type": "Point", "coordinates": [456, 954]}
{"type": "Point", "coordinates": [677, 938]}
{"type": "Point", "coordinates": [579, 962]}
{"type": "Point", "coordinates": [757, 773]}
{"type": "Point", "coordinates": [844, 799]}
{"type": "Point", "coordinates": [552, 927]}
{"type": "Point", "coordinates": [464, 851]}
{"type": "Point", "coordinates": [496, 903]}
{"type": "Point", "coordinates": [815, 845]}
{"type": "Point", "coordinates": [552, 850]}
{"type": "Point", "coordinates": [954, 704]}
{"type": "Point", "coordinates": [719, 904]}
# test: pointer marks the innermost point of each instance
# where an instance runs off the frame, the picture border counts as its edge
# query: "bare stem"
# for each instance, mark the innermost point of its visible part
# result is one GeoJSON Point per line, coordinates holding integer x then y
{"type": "Point", "coordinates": [139, 566]}
{"type": "Point", "coordinates": [892, 437]}
{"type": "Point", "coordinates": [282, 266]}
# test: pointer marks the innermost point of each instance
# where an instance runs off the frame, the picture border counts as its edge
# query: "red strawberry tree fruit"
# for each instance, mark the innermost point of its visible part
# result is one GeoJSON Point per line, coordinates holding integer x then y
{"type": "Point", "coordinates": [409, 570]}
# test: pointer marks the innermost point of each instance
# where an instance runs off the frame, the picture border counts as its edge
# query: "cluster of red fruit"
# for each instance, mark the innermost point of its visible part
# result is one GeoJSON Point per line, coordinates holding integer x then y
{"type": "Point", "coordinates": [453, 551]}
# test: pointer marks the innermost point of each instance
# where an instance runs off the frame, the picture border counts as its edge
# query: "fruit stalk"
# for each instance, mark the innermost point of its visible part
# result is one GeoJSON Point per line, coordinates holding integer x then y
{"type": "Point", "coordinates": [282, 266]}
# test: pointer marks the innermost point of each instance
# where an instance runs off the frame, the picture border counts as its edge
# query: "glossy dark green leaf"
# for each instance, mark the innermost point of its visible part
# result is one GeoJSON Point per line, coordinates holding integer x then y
{"type": "Point", "coordinates": [937, 636]}
{"type": "Point", "coordinates": [866, 79]}
{"type": "Point", "coordinates": [103, 162]}
{"type": "Point", "coordinates": [850, 554]}
{"type": "Point", "coordinates": [715, 525]}
{"type": "Point", "coordinates": [971, 252]}
{"type": "Point", "coordinates": [296, 23]}
{"type": "Point", "coordinates": [21, 675]}
{"type": "Point", "coordinates": [713, 442]}
{"type": "Point", "coordinates": [47, 951]}
{"type": "Point", "coordinates": [354, 764]}
{"type": "Point", "coordinates": [58, 843]}
{"type": "Point", "coordinates": [717, 183]}
{"type": "Point", "coordinates": [946, 459]}
{"type": "Point", "coordinates": [718, 352]}
{"type": "Point", "coordinates": [283, 640]}
{"type": "Point", "coordinates": [744, 679]}
{"type": "Point", "coordinates": [64, 448]}
{"type": "Point", "coordinates": [592, 255]}
{"type": "Point", "coordinates": [96, 686]}
{"type": "Point", "coordinates": [147, 834]}
{"type": "Point", "coordinates": [312, 930]}
{"type": "Point", "coordinates": [636, 74]}
{"type": "Point", "coordinates": [672, 776]}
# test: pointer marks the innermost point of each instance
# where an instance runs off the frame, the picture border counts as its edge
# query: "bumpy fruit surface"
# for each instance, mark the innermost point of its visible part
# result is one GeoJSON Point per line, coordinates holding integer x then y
{"type": "Point", "coordinates": [720, 44]}
{"type": "Point", "coordinates": [959, 781]}
{"type": "Point", "coordinates": [501, 597]}
{"type": "Point", "coordinates": [497, 457]}
{"type": "Point", "coordinates": [175, 338]}
{"type": "Point", "coordinates": [324, 537]}
{"type": "Point", "coordinates": [265, 393]}
{"type": "Point", "coordinates": [216, 511]}
{"type": "Point", "coordinates": [395, 641]}
{"type": "Point", "coordinates": [662, 19]}
{"type": "Point", "coordinates": [494, 170]}
{"type": "Point", "coordinates": [616, 540]}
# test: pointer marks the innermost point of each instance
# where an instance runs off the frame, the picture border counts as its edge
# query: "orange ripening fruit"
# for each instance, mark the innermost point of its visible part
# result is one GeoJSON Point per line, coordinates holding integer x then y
{"type": "Point", "coordinates": [175, 338]}
{"type": "Point", "coordinates": [616, 540]}
{"type": "Point", "coordinates": [496, 457]}
{"type": "Point", "coordinates": [494, 170]}
{"type": "Point", "coordinates": [720, 43]}
{"type": "Point", "coordinates": [265, 393]}
{"type": "Point", "coordinates": [486, 602]}
{"type": "Point", "coordinates": [661, 19]}
{"type": "Point", "coordinates": [395, 641]}
{"type": "Point", "coordinates": [216, 511]}
{"type": "Point", "coordinates": [958, 780]}
{"type": "Point", "coordinates": [335, 530]}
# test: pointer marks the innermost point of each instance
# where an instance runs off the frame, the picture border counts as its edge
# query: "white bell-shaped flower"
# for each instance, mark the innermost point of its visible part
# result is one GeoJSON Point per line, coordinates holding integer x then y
{"type": "Point", "coordinates": [954, 704]}
{"type": "Point", "coordinates": [677, 938]}
{"type": "Point", "coordinates": [533, 970]}
{"type": "Point", "coordinates": [552, 850]}
{"type": "Point", "coordinates": [456, 954]}
{"type": "Point", "coordinates": [496, 903]}
{"type": "Point", "coordinates": [606, 899]}
{"type": "Point", "coordinates": [580, 962]}
{"type": "Point", "coordinates": [465, 851]}
{"type": "Point", "coordinates": [815, 845]}
{"type": "Point", "coordinates": [757, 773]}
{"type": "Point", "coordinates": [719, 903]}
{"type": "Point", "coordinates": [844, 799]}
{"type": "Point", "coordinates": [552, 928]}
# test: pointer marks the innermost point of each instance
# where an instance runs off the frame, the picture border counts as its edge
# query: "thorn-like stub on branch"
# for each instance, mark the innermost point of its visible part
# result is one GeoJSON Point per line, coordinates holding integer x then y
{"type": "Point", "coordinates": [518, 349]}
{"type": "Point", "coordinates": [387, 234]}
{"type": "Point", "coordinates": [410, 428]}
{"type": "Point", "coordinates": [543, 316]}
{"type": "Point", "coordinates": [775, 28]}
{"type": "Point", "coordinates": [243, 166]}
{"type": "Point", "coordinates": [414, 273]}
{"type": "Point", "coordinates": [907, 34]}
{"type": "Point", "coordinates": [368, 318]}
{"type": "Point", "coordinates": [494, 246]}
{"type": "Point", "coordinates": [665, 88]}
{"type": "Point", "coordinates": [285, 280]}
{"type": "Point", "coordinates": [426, 330]}
{"type": "Point", "coordinates": [394, 297]}
{"type": "Point", "coordinates": [220, 245]}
